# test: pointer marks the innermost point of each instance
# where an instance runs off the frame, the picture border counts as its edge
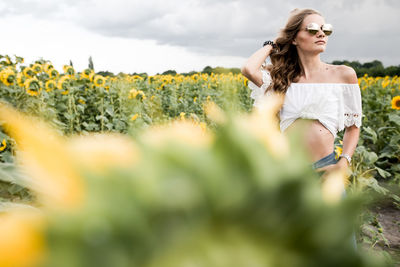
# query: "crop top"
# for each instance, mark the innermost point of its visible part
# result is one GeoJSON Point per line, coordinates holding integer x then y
{"type": "Point", "coordinates": [335, 105]}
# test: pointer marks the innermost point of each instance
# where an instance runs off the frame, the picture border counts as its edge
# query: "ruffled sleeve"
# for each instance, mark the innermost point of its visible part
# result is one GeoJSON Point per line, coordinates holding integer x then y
{"type": "Point", "coordinates": [257, 93]}
{"type": "Point", "coordinates": [352, 108]}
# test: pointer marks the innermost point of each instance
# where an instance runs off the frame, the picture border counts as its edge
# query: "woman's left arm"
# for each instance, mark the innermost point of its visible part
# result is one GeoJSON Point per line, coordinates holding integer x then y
{"type": "Point", "coordinates": [350, 141]}
{"type": "Point", "coordinates": [351, 133]}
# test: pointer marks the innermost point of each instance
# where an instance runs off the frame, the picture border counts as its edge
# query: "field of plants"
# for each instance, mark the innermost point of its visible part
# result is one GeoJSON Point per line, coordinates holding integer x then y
{"type": "Point", "coordinates": [179, 170]}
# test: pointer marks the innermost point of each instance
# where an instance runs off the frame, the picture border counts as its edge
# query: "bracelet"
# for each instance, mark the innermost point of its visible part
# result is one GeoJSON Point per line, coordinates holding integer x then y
{"type": "Point", "coordinates": [269, 42]}
{"type": "Point", "coordinates": [347, 157]}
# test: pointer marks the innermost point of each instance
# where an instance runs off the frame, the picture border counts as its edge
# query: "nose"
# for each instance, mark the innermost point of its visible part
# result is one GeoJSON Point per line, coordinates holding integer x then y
{"type": "Point", "coordinates": [321, 33]}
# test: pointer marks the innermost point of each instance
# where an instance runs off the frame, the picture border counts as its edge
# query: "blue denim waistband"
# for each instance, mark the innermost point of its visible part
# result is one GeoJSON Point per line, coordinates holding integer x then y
{"type": "Point", "coordinates": [327, 160]}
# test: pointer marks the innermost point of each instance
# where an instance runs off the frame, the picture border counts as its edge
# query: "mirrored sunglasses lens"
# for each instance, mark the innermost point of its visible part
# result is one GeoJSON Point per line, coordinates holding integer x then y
{"type": "Point", "coordinates": [327, 29]}
{"type": "Point", "coordinates": [312, 28]}
{"type": "Point", "coordinates": [312, 31]}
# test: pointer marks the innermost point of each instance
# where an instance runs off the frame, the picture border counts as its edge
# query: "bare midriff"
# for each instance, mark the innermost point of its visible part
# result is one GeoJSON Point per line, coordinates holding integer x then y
{"type": "Point", "coordinates": [318, 140]}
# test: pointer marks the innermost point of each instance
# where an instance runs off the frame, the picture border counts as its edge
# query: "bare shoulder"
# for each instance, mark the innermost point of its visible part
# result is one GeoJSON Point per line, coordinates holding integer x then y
{"type": "Point", "coordinates": [347, 74]}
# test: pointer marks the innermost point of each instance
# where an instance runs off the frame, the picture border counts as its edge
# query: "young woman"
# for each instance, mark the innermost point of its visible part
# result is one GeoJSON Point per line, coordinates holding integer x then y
{"type": "Point", "coordinates": [325, 97]}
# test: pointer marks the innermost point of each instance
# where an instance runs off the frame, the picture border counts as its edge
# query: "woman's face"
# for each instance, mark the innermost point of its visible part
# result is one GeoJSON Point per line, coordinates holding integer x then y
{"type": "Point", "coordinates": [308, 42]}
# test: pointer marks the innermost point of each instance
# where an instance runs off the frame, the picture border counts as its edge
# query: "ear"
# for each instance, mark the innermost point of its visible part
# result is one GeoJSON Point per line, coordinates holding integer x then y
{"type": "Point", "coordinates": [294, 42]}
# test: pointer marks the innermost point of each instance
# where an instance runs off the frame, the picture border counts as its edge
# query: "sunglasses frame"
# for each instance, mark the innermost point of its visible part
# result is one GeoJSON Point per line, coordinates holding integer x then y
{"type": "Point", "coordinates": [313, 28]}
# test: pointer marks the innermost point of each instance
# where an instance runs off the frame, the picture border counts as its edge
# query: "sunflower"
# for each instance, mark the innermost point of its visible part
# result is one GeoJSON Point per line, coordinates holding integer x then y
{"type": "Point", "coordinates": [86, 74]}
{"type": "Point", "coordinates": [37, 68]}
{"type": "Point", "coordinates": [28, 72]}
{"type": "Point", "coordinates": [7, 76]}
{"type": "Point", "coordinates": [21, 78]}
{"type": "Point", "coordinates": [396, 102]}
{"type": "Point", "coordinates": [338, 151]}
{"type": "Point", "coordinates": [134, 117]}
{"type": "Point", "coordinates": [50, 85]}
{"type": "Point", "coordinates": [33, 86]}
{"type": "Point", "coordinates": [99, 81]}
{"type": "Point", "coordinates": [3, 145]}
{"type": "Point", "coordinates": [64, 82]}
{"type": "Point", "coordinates": [47, 67]}
{"type": "Point", "coordinates": [132, 93]}
{"type": "Point", "coordinates": [53, 73]}
{"type": "Point", "coordinates": [69, 70]}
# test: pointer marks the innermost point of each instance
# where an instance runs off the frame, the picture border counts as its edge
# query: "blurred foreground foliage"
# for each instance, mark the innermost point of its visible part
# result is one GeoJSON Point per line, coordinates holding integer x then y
{"type": "Point", "coordinates": [241, 194]}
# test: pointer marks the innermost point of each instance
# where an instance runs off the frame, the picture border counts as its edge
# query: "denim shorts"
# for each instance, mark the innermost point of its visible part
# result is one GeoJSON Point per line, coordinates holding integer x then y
{"type": "Point", "coordinates": [325, 161]}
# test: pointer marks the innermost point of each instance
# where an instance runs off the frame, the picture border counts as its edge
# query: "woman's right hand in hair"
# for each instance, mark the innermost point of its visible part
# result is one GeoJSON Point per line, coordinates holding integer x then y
{"type": "Point", "coordinates": [251, 69]}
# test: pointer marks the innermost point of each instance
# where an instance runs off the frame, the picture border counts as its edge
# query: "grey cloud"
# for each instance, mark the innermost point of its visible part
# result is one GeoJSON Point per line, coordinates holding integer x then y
{"type": "Point", "coordinates": [229, 27]}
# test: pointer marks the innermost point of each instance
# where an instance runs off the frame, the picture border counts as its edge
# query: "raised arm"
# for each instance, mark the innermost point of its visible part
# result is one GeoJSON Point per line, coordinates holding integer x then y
{"type": "Point", "coordinates": [251, 68]}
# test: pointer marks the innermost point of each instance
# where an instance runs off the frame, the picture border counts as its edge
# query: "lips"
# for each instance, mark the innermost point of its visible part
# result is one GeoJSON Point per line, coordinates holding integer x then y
{"type": "Point", "coordinates": [320, 42]}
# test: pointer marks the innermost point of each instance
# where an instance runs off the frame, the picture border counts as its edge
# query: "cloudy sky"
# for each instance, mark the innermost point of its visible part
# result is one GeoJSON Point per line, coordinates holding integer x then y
{"type": "Point", "coordinates": [153, 36]}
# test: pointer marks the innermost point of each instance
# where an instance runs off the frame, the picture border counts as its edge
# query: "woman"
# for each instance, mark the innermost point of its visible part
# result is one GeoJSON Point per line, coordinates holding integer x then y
{"type": "Point", "coordinates": [325, 97]}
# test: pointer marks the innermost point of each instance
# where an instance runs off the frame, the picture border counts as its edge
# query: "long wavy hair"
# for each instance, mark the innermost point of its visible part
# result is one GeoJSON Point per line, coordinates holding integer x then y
{"type": "Point", "coordinates": [286, 67]}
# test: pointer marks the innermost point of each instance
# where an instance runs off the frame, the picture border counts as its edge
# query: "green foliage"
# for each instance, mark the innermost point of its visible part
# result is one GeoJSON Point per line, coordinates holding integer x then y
{"type": "Point", "coordinates": [227, 202]}
{"type": "Point", "coordinates": [374, 68]}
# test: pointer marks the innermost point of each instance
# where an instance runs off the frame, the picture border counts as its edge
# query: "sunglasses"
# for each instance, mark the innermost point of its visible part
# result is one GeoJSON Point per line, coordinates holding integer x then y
{"type": "Point", "coordinates": [313, 28]}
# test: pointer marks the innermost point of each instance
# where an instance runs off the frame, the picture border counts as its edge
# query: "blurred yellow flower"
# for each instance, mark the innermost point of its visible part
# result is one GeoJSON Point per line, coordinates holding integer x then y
{"type": "Point", "coordinates": [33, 86]}
{"type": "Point", "coordinates": [179, 131]}
{"type": "Point", "coordinates": [385, 83]}
{"type": "Point", "coordinates": [8, 76]}
{"type": "Point", "coordinates": [86, 73]}
{"type": "Point", "coordinates": [21, 79]}
{"type": "Point", "coordinates": [338, 151]}
{"type": "Point", "coordinates": [22, 238]}
{"type": "Point", "coordinates": [53, 73]}
{"type": "Point", "coordinates": [91, 76]}
{"type": "Point", "coordinates": [99, 81]}
{"type": "Point", "coordinates": [28, 72]}
{"type": "Point", "coordinates": [333, 186]}
{"type": "Point", "coordinates": [396, 102]}
{"type": "Point", "coordinates": [37, 68]}
{"type": "Point", "coordinates": [44, 156]}
{"type": "Point", "coordinates": [214, 112]}
{"type": "Point", "coordinates": [132, 93]}
{"type": "Point", "coordinates": [47, 67]}
{"type": "Point", "coordinates": [50, 85]}
{"type": "Point", "coordinates": [264, 125]}
{"type": "Point", "coordinates": [203, 126]}
{"type": "Point", "coordinates": [100, 152]}
{"type": "Point", "coordinates": [64, 82]}
{"type": "Point", "coordinates": [69, 70]}
{"type": "Point", "coordinates": [3, 145]}
{"type": "Point", "coordinates": [134, 117]}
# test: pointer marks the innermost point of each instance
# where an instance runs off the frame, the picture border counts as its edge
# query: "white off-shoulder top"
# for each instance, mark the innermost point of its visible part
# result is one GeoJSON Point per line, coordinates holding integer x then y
{"type": "Point", "coordinates": [335, 105]}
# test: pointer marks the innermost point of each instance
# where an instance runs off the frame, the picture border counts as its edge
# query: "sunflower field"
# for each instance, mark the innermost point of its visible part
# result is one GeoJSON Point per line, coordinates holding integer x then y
{"type": "Point", "coordinates": [174, 170]}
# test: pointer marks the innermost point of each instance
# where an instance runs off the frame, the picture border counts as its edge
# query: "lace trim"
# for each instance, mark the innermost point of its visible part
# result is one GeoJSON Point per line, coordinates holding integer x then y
{"type": "Point", "coordinates": [258, 92]}
{"type": "Point", "coordinates": [352, 119]}
{"type": "Point", "coordinates": [266, 78]}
